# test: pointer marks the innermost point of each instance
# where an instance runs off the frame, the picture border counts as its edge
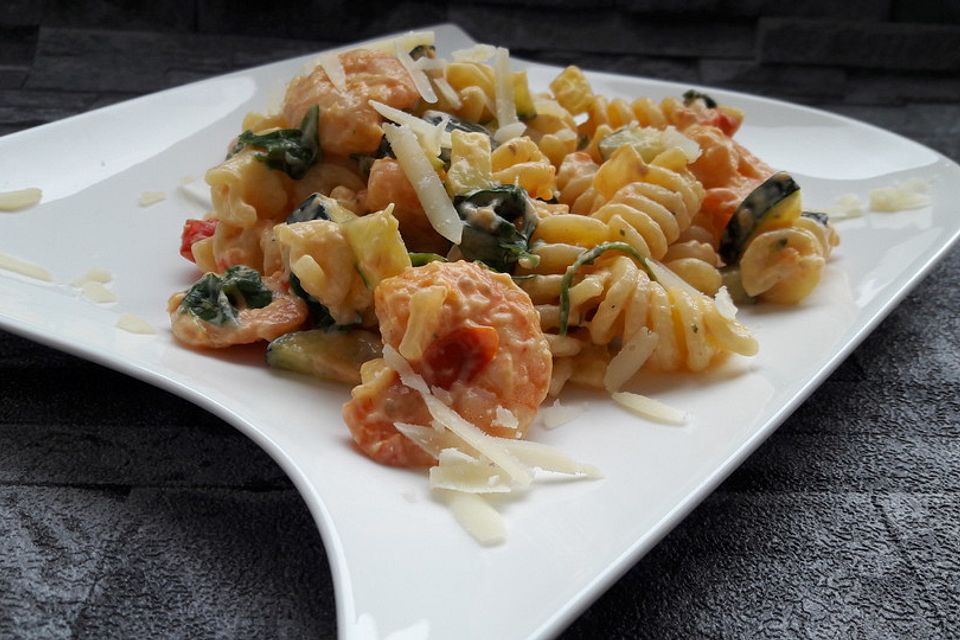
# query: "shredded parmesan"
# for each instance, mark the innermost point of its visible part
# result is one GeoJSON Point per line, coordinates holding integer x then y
{"type": "Point", "coordinates": [330, 63]}
{"type": "Point", "coordinates": [458, 471]}
{"type": "Point", "coordinates": [407, 41]}
{"type": "Point", "coordinates": [448, 92]}
{"type": "Point", "coordinates": [673, 138]}
{"type": "Point", "coordinates": [476, 516]}
{"type": "Point", "coordinates": [557, 414]}
{"type": "Point", "coordinates": [425, 181]}
{"type": "Point", "coordinates": [429, 64]}
{"type": "Point", "coordinates": [424, 130]}
{"type": "Point", "coordinates": [509, 132]}
{"type": "Point", "coordinates": [504, 418]}
{"type": "Point", "coordinates": [911, 194]}
{"type": "Point", "coordinates": [471, 434]}
{"type": "Point", "coordinates": [148, 198]}
{"type": "Point", "coordinates": [24, 268]}
{"type": "Point", "coordinates": [93, 275]}
{"type": "Point", "coordinates": [725, 306]}
{"type": "Point", "coordinates": [21, 199]}
{"type": "Point", "coordinates": [650, 408]}
{"type": "Point", "coordinates": [505, 102]}
{"type": "Point", "coordinates": [135, 324]}
{"type": "Point", "coordinates": [476, 53]}
{"type": "Point", "coordinates": [420, 79]}
{"type": "Point", "coordinates": [632, 355]}
{"type": "Point", "coordinates": [96, 292]}
{"type": "Point", "coordinates": [849, 205]}
{"type": "Point", "coordinates": [423, 322]}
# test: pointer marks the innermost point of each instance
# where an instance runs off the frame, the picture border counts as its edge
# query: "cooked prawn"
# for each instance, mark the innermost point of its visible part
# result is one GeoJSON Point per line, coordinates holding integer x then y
{"type": "Point", "coordinates": [388, 184]}
{"type": "Point", "coordinates": [284, 314]}
{"type": "Point", "coordinates": [348, 124]}
{"type": "Point", "coordinates": [479, 342]}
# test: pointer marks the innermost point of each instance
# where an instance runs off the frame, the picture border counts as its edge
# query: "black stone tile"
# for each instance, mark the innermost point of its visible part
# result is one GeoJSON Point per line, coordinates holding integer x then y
{"type": "Point", "coordinates": [926, 530]}
{"type": "Point", "coordinates": [769, 566]}
{"type": "Point", "coordinates": [203, 564]}
{"type": "Point", "coordinates": [168, 15]}
{"type": "Point", "coordinates": [897, 88]}
{"type": "Point", "coordinates": [82, 60]}
{"type": "Point", "coordinates": [21, 12]}
{"type": "Point", "coordinates": [855, 10]}
{"type": "Point", "coordinates": [860, 44]}
{"type": "Point", "coordinates": [931, 11]}
{"type": "Point", "coordinates": [776, 80]}
{"type": "Point", "coordinates": [17, 44]}
{"type": "Point", "coordinates": [338, 20]}
{"type": "Point", "coordinates": [52, 541]}
{"type": "Point", "coordinates": [605, 31]}
{"type": "Point", "coordinates": [676, 69]}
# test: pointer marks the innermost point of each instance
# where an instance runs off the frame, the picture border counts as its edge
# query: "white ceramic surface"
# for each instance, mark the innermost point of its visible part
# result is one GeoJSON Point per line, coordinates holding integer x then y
{"type": "Point", "coordinates": [401, 566]}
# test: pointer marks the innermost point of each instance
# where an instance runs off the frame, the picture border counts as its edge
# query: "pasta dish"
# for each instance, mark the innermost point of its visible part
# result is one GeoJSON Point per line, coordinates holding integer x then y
{"type": "Point", "coordinates": [458, 246]}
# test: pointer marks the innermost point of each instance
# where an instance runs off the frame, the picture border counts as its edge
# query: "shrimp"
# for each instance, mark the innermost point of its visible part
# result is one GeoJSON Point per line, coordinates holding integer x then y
{"type": "Point", "coordinates": [285, 313]}
{"type": "Point", "coordinates": [728, 172]}
{"type": "Point", "coordinates": [388, 184]}
{"type": "Point", "coordinates": [348, 124]}
{"type": "Point", "coordinates": [473, 335]}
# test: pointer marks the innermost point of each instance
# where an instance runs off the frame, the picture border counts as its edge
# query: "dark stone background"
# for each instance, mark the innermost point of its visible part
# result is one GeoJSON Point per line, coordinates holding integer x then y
{"type": "Point", "coordinates": [136, 514]}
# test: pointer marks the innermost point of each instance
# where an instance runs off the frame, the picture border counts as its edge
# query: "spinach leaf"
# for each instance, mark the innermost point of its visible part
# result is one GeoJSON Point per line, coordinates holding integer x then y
{"type": "Point", "coordinates": [588, 257]}
{"type": "Point", "coordinates": [310, 209]}
{"type": "Point", "coordinates": [292, 151]}
{"type": "Point", "coordinates": [498, 223]}
{"type": "Point", "coordinates": [216, 299]}
{"type": "Point", "coordinates": [692, 95]}
{"type": "Point", "coordinates": [365, 161]}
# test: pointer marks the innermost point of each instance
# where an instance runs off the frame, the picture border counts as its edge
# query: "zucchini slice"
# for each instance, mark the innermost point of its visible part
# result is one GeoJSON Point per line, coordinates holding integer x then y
{"type": "Point", "coordinates": [328, 355]}
{"type": "Point", "coordinates": [772, 205]}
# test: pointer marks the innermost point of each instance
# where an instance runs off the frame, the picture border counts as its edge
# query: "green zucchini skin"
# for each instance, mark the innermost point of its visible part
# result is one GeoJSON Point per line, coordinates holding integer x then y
{"type": "Point", "coordinates": [325, 354]}
{"type": "Point", "coordinates": [752, 212]}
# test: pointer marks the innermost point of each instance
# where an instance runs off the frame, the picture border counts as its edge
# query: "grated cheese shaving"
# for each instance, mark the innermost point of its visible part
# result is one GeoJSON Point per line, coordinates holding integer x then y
{"type": "Point", "coordinates": [505, 418]}
{"type": "Point", "coordinates": [673, 138]}
{"type": "Point", "coordinates": [330, 63]}
{"type": "Point", "coordinates": [509, 132]}
{"type": "Point", "coordinates": [849, 205]}
{"type": "Point", "coordinates": [148, 198]}
{"type": "Point", "coordinates": [423, 322]}
{"type": "Point", "coordinates": [632, 355]}
{"type": "Point", "coordinates": [557, 414]}
{"type": "Point", "coordinates": [420, 79]}
{"type": "Point", "coordinates": [96, 292]}
{"type": "Point", "coordinates": [407, 41]}
{"type": "Point", "coordinates": [424, 130]}
{"type": "Point", "coordinates": [20, 199]}
{"type": "Point", "coordinates": [458, 471]}
{"type": "Point", "coordinates": [506, 106]}
{"type": "Point", "coordinates": [425, 181]}
{"type": "Point", "coordinates": [93, 275]}
{"type": "Point", "coordinates": [429, 64]}
{"type": "Point", "coordinates": [448, 92]}
{"type": "Point", "coordinates": [471, 434]}
{"type": "Point", "coordinates": [911, 194]}
{"type": "Point", "coordinates": [135, 324]}
{"type": "Point", "coordinates": [476, 516]}
{"type": "Point", "coordinates": [650, 408]}
{"type": "Point", "coordinates": [24, 268]}
{"type": "Point", "coordinates": [725, 306]}
{"type": "Point", "coordinates": [476, 53]}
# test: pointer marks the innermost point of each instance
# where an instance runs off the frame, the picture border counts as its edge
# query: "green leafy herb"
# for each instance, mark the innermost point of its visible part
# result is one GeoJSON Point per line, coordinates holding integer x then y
{"type": "Point", "coordinates": [216, 299]}
{"type": "Point", "coordinates": [310, 209]}
{"type": "Point", "coordinates": [420, 259]}
{"type": "Point", "coordinates": [292, 151]}
{"type": "Point", "coordinates": [498, 223]}
{"type": "Point", "coordinates": [588, 257]}
{"type": "Point", "coordinates": [692, 95]}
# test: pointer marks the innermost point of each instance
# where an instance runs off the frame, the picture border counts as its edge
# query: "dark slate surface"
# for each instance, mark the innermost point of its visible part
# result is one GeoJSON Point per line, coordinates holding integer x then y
{"type": "Point", "coordinates": [135, 514]}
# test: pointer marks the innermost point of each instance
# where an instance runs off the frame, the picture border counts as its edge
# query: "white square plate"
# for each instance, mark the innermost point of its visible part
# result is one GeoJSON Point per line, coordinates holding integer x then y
{"type": "Point", "coordinates": [400, 563]}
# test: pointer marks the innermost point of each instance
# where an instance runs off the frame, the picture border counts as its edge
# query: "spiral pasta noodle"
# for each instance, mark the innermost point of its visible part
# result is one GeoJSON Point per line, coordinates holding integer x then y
{"type": "Point", "coordinates": [784, 265]}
